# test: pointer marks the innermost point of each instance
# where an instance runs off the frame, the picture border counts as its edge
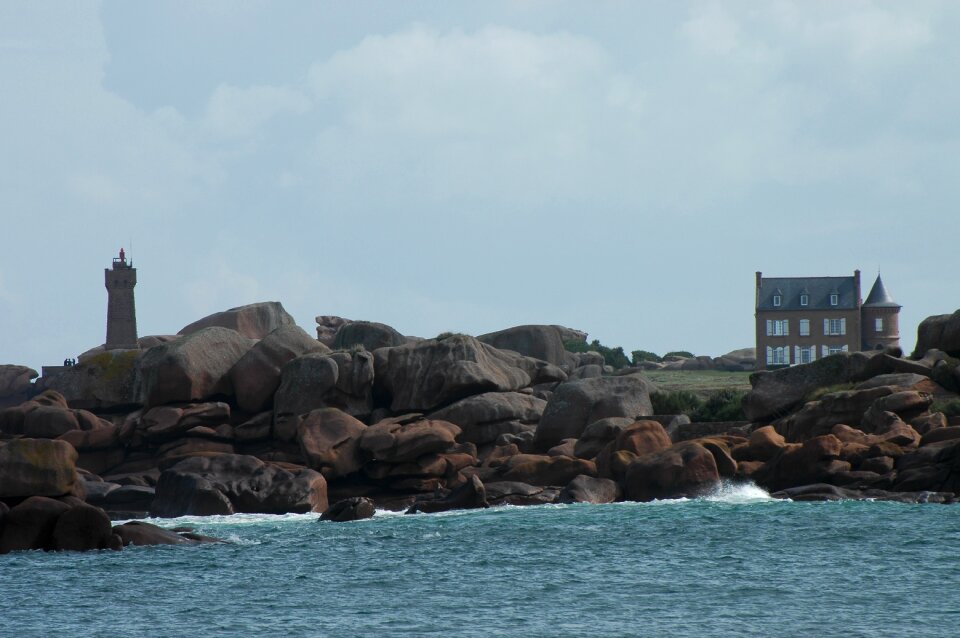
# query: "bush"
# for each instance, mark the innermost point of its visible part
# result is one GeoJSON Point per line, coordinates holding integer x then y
{"type": "Point", "coordinates": [949, 407]}
{"type": "Point", "coordinates": [721, 405]}
{"type": "Point", "coordinates": [615, 357]}
{"type": "Point", "coordinates": [679, 353]}
{"type": "Point", "coordinates": [639, 356]}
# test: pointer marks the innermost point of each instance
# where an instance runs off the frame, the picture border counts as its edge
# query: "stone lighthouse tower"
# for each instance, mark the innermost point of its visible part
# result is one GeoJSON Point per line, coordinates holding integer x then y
{"type": "Point", "coordinates": [121, 311]}
{"type": "Point", "coordinates": [879, 319]}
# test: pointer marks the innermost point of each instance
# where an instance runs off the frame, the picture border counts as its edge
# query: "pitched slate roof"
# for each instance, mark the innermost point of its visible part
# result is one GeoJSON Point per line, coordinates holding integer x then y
{"type": "Point", "coordinates": [818, 288]}
{"type": "Point", "coordinates": [879, 297]}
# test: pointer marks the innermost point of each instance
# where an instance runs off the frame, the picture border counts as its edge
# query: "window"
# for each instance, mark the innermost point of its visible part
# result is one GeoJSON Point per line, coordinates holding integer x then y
{"type": "Point", "coordinates": [776, 301]}
{"type": "Point", "coordinates": [878, 324]}
{"type": "Point", "coordinates": [806, 354]}
{"type": "Point", "coordinates": [778, 327]}
{"type": "Point", "coordinates": [834, 299]}
{"type": "Point", "coordinates": [804, 300]}
{"type": "Point", "coordinates": [778, 356]}
{"type": "Point", "coordinates": [833, 327]}
{"type": "Point", "coordinates": [804, 327]}
{"type": "Point", "coordinates": [836, 349]}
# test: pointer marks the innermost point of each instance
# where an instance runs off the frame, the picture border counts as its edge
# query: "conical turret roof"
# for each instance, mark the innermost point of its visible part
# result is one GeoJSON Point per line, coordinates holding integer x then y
{"type": "Point", "coordinates": [879, 297]}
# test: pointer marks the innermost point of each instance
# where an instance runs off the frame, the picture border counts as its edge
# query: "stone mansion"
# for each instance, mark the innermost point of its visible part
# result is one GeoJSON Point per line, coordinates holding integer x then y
{"type": "Point", "coordinates": [802, 319]}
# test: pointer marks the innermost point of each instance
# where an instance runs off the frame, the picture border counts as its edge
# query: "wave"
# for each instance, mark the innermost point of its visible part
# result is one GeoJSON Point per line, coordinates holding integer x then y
{"type": "Point", "coordinates": [738, 493]}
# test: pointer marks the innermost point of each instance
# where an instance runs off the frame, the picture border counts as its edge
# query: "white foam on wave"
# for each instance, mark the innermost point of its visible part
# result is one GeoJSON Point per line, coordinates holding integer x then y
{"type": "Point", "coordinates": [231, 519]}
{"type": "Point", "coordinates": [739, 493]}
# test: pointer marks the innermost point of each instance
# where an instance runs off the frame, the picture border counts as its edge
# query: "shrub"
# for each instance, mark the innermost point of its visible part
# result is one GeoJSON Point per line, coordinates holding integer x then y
{"type": "Point", "coordinates": [615, 357]}
{"type": "Point", "coordinates": [639, 356]}
{"type": "Point", "coordinates": [679, 353]}
{"type": "Point", "coordinates": [819, 393]}
{"type": "Point", "coordinates": [721, 405]}
{"type": "Point", "coordinates": [675, 402]}
{"type": "Point", "coordinates": [950, 407]}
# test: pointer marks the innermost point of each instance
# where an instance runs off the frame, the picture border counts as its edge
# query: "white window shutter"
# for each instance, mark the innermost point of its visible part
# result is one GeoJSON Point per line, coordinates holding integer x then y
{"type": "Point", "coordinates": [846, 348]}
{"type": "Point", "coordinates": [786, 326]}
{"type": "Point", "coordinates": [843, 326]}
{"type": "Point", "coordinates": [826, 327]}
{"type": "Point", "coordinates": [769, 352]}
{"type": "Point", "coordinates": [796, 354]}
{"type": "Point", "coordinates": [786, 355]}
{"type": "Point", "coordinates": [769, 327]}
{"type": "Point", "coordinates": [813, 353]}
{"type": "Point", "coordinates": [824, 351]}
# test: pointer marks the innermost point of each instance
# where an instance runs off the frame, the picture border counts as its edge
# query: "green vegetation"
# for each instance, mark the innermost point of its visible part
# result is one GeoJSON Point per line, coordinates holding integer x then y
{"type": "Point", "coordinates": [639, 356]}
{"type": "Point", "coordinates": [719, 405]}
{"type": "Point", "coordinates": [819, 393]}
{"type": "Point", "coordinates": [679, 353]}
{"type": "Point", "coordinates": [615, 357]}
{"type": "Point", "coordinates": [702, 383]}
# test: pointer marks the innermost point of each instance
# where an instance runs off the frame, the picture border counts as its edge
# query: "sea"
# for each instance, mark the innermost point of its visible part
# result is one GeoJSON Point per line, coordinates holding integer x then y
{"type": "Point", "coordinates": [734, 563]}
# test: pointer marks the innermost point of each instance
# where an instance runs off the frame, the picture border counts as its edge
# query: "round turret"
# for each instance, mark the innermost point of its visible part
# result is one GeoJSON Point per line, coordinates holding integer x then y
{"type": "Point", "coordinates": [880, 319]}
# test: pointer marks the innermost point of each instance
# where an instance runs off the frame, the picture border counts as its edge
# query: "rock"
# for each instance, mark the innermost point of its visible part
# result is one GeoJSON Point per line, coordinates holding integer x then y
{"type": "Point", "coordinates": [776, 392]}
{"type": "Point", "coordinates": [686, 469]}
{"type": "Point", "coordinates": [233, 483]}
{"type": "Point", "coordinates": [166, 423]}
{"type": "Point", "coordinates": [192, 368]}
{"type": "Point", "coordinates": [38, 467]}
{"type": "Point", "coordinates": [763, 445]}
{"type": "Point", "coordinates": [395, 443]}
{"type": "Point", "coordinates": [484, 417]}
{"type": "Point", "coordinates": [30, 524]}
{"type": "Point", "coordinates": [564, 448]}
{"type": "Point", "coordinates": [598, 434]}
{"type": "Point", "coordinates": [256, 376]}
{"type": "Point", "coordinates": [103, 381]}
{"type": "Point", "coordinates": [879, 464]}
{"type": "Point", "coordinates": [101, 438]}
{"type": "Point", "coordinates": [429, 374]}
{"type": "Point", "coordinates": [82, 528]}
{"type": "Point", "coordinates": [15, 386]}
{"type": "Point", "coordinates": [929, 422]}
{"type": "Point", "coordinates": [815, 492]}
{"type": "Point", "coordinates": [327, 327]}
{"type": "Point", "coordinates": [330, 442]}
{"type": "Point", "coordinates": [139, 533]}
{"type": "Point", "coordinates": [470, 495]}
{"type": "Point", "coordinates": [517, 493]}
{"type": "Point", "coordinates": [588, 489]}
{"type": "Point", "coordinates": [818, 417]}
{"type": "Point", "coordinates": [341, 380]}
{"type": "Point", "coordinates": [720, 449]}
{"type": "Point", "coordinates": [45, 422]}
{"type": "Point", "coordinates": [537, 341]}
{"type": "Point", "coordinates": [812, 462]}
{"type": "Point", "coordinates": [368, 334]}
{"type": "Point", "coordinates": [576, 404]}
{"type": "Point", "coordinates": [941, 434]}
{"type": "Point", "coordinates": [900, 381]}
{"type": "Point", "coordinates": [349, 509]}
{"type": "Point", "coordinates": [254, 321]}
{"type": "Point", "coordinates": [537, 469]}
{"type": "Point", "coordinates": [941, 332]}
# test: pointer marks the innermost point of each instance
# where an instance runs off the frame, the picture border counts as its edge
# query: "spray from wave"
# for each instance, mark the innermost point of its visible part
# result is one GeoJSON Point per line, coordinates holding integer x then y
{"type": "Point", "coordinates": [738, 493]}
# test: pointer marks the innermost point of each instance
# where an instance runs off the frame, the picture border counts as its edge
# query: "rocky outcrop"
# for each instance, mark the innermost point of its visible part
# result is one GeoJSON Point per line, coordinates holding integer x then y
{"type": "Point", "coordinates": [192, 368]}
{"type": "Point", "coordinates": [355, 508]}
{"type": "Point", "coordinates": [776, 392]}
{"type": "Point", "coordinates": [254, 321]}
{"type": "Point", "coordinates": [685, 469]}
{"type": "Point", "coordinates": [38, 467]}
{"type": "Point", "coordinates": [429, 374]}
{"type": "Point", "coordinates": [15, 386]}
{"type": "Point", "coordinates": [231, 483]}
{"type": "Point", "coordinates": [538, 469]}
{"type": "Point", "coordinates": [940, 332]}
{"type": "Point", "coordinates": [329, 440]}
{"type": "Point", "coordinates": [366, 334]}
{"type": "Point", "coordinates": [327, 327]}
{"type": "Point", "coordinates": [484, 417]}
{"type": "Point", "coordinates": [589, 489]}
{"type": "Point", "coordinates": [471, 495]}
{"type": "Point", "coordinates": [102, 381]}
{"type": "Point", "coordinates": [342, 380]}
{"type": "Point", "coordinates": [537, 341]}
{"type": "Point", "coordinates": [576, 404]}
{"type": "Point", "coordinates": [256, 376]}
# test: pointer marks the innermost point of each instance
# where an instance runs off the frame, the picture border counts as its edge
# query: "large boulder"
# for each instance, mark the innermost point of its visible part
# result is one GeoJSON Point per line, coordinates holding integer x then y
{"type": "Point", "coordinates": [818, 417]}
{"type": "Point", "coordinates": [330, 442]}
{"type": "Point", "coordinates": [537, 341]}
{"type": "Point", "coordinates": [484, 417]}
{"type": "Point", "coordinates": [398, 443]}
{"type": "Point", "coordinates": [941, 332]}
{"type": "Point", "coordinates": [142, 533]}
{"type": "Point", "coordinates": [537, 469]}
{"type": "Point", "coordinates": [470, 495]}
{"type": "Point", "coordinates": [327, 327]}
{"type": "Point", "coordinates": [368, 334]}
{"type": "Point", "coordinates": [106, 380]}
{"type": "Point", "coordinates": [233, 483]}
{"type": "Point", "coordinates": [428, 374]}
{"type": "Point", "coordinates": [576, 404]}
{"type": "Point", "coordinates": [38, 467]}
{"type": "Point", "coordinates": [30, 525]}
{"type": "Point", "coordinates": [15, 386]}
{"type": "Point", "coordinates": [256, 376]}
{"type": "Point", "coordinates": [686, 469]}
{"type": "Point", "coordinates": [589, 489]}
{"type": "Point", "coordinates": [355, 508]}
{"type": "Point", "coordinates": [775, 393]}
{"type": "Point", "coordinates": [814, 461]}
{"type": "Point", "coordinates": [254, 321]}
{"type": "Point", "coordinates": [342, 380]}
{"type": "Point", "coordinates": [192, 368]}
{"type": "Point", "coordinates": [167, 422]}
{"type": "Point", "coordinates": [82, 528]}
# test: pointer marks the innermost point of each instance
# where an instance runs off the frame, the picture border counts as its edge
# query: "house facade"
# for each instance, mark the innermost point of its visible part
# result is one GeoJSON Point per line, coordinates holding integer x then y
{"type": "Point", "coordinates": [802, 319]}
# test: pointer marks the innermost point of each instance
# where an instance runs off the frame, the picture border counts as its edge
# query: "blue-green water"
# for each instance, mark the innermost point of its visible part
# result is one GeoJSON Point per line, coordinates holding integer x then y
{"type": "Point", "coordinates": [736, 564]}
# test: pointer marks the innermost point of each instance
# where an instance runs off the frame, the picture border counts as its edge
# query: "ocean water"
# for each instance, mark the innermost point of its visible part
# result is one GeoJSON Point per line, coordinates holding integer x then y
{"type": "Point", "coordinates": [733, 564]}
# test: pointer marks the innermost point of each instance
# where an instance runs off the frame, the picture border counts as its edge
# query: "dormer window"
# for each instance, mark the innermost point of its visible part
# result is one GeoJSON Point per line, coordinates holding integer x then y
{"type": "Point", "coordinates": [776, 301]}
{"type": "Point", "coordinates": [804, 300]}
{"type": "Point", "coordinates": [834, 299]}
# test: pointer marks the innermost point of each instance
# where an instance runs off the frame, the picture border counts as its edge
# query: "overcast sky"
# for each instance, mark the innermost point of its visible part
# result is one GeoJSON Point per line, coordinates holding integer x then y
{"type": "Point", "coordinates": [622, 167]}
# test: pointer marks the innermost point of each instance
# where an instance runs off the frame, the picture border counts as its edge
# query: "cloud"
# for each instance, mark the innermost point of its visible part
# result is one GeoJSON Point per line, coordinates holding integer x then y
{"type": "Point", "coordinates": [234, 112]}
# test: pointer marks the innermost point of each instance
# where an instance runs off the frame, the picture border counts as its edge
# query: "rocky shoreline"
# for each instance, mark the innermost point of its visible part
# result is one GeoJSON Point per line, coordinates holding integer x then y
{"type": "Point", "coordinates": [244, 412]}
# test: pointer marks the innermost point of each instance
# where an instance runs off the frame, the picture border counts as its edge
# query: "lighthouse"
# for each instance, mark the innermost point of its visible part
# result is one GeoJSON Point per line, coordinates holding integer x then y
{"type": "Point", "coordinates": [121, 311]}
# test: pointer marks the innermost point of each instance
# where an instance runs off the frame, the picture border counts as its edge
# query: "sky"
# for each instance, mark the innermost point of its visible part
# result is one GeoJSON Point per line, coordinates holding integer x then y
{"type": "Point", "coordinates": [622, 168]}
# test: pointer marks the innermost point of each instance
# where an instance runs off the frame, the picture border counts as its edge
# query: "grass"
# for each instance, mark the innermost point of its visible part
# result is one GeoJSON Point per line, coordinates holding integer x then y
{"type": "Point", "coordinates": [702, 383]}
